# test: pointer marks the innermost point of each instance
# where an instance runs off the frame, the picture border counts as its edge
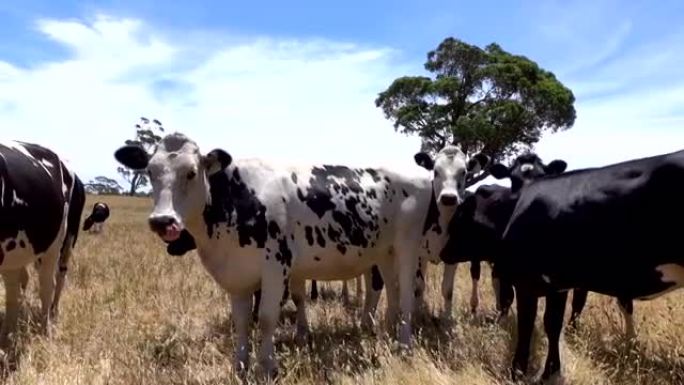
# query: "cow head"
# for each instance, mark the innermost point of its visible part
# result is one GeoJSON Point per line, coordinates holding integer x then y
{"type": "Point", "coordinates": [450, 172]}
{"type": "Point", "coordinates": [525, 169]}
{"type": "Point", "coordinates": [477, 224]}
{"type": "Point", "coordinates": [178, 174]}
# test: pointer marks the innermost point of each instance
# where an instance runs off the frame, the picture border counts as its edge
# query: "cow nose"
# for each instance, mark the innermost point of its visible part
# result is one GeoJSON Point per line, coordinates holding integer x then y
{"type": "Point", "coordinates": [448, 199]}
{"type": "Point", "coordinates": [161, 222]}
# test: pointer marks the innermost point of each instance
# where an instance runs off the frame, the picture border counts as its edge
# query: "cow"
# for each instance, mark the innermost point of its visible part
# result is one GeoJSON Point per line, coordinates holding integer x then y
{"type": "Point", "coordinates": [41, 202]}
{"type": "Point", "coordinates": [524, 169]}
{"type": "Point", "coordinates": [601, 229]}
{"type": "Point", "coordinates": [95, 221]}
{"type": "Point", "coordinates": [258, 225]}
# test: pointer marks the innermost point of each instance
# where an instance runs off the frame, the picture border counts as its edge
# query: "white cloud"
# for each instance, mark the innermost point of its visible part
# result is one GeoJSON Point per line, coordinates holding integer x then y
{"type": "Point", "coordinates": [285, 100]}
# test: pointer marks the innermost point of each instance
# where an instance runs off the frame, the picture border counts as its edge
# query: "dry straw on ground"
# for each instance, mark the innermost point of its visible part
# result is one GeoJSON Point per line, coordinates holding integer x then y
{"type": "Point", "coordinates": [133, 315]}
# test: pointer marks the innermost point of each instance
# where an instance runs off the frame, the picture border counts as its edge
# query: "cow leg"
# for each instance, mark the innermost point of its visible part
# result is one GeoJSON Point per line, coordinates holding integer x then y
{"type": "Point", "coordinates": [419, 293]}
{"type": "Point", "coordinates": [505, 294]}
{"type": "Point", "coordinates": [579, 299]}
{"type": "Point", "coordinates": [389, 277]}
{"type": "Point", "coordinates": [63, 266]}
{"type": "Point", "coordinates": [627, 309]}
{"type": "Point", "coordinates": [257, 302]}
{"type": "Point", "coordinates": [298, 290]}
{"type": "Point", "coordinates": [314, 290]}
{"type": "Point", "coordinates": [527, 313]}
{"type": "Point", "coordinates": [448, 290]}
{"type": "Point", "coordinates": [345, 293]}
{"type": "Point", "coordinates": [23, 279]}
{"type": "Point", "coordinates": [475, 278]}
{"type": "Point", "coordinates": [12, 281]}
{"type": "Point", "coordinates": [553, 325]}
{"type": "Point", "coordinates": [374, 284]}
{"type": "Point", "coordinates": [47, 276]}
{"type": "Point", "coordinates": [359, 288]}
{"type": "Point", "coordinates": [274, 282]}
{"type": "Point", "coordinates": [408, 264]}
{"type": "Point", "coordinates": [241, 306]}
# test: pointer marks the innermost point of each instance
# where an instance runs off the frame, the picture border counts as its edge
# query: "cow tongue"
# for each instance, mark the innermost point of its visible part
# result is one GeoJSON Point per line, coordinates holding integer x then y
{"type": "Point", "coordinates": [171, 233]}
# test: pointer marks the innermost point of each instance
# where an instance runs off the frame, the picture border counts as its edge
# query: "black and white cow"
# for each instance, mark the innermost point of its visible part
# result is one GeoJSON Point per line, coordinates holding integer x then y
{"type": "Point", "coordinates": [608, 230]}
{"type": "Point", "coordinates": [41, 202]}
{"type": "Point", "coordinates": [95, 221]}
{"type": "Point", "coordinates": [257, 225]}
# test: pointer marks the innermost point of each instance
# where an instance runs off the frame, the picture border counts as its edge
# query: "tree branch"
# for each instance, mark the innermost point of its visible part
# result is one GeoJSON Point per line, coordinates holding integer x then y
{"type": "Point", "coordinates": [477, 179]}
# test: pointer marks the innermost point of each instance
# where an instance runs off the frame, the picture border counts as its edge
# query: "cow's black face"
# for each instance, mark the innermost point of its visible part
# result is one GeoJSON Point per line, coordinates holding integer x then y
{"type": "Point", "coordinates": [527, 168]}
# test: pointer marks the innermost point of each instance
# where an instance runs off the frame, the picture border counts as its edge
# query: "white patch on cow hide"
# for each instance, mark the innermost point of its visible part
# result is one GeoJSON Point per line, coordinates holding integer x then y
{"type": "Point", "coordinates": [18, 256]}
{"type": "Point", "coordinates": [16, 201]}
{"type": "Point", "coordinates": [670, 273]}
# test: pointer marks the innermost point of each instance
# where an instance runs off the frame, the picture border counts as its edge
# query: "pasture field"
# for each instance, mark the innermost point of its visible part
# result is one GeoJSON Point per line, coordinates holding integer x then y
{"type": "Point", "coordinates": [131, 314]}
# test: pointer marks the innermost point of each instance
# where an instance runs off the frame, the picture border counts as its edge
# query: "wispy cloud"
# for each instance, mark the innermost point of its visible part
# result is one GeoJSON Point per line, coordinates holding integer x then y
{"type": "Point", "coordinates": [287, 100]}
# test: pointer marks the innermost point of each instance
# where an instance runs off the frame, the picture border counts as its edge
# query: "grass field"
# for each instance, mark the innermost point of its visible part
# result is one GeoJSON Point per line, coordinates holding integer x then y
{"type": "Point", "coordinates": [131, 314]}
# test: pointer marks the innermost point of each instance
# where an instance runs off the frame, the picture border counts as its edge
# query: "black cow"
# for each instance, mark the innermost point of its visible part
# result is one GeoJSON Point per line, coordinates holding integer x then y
{"type": "Point", "coordinates": [41, 202]}
{"type": "Point", "coordinates": [97, 217]}
{"type": "Point", "coordinates": [524, 169]}
{"type": "Point", "coordinates": [604, 230]}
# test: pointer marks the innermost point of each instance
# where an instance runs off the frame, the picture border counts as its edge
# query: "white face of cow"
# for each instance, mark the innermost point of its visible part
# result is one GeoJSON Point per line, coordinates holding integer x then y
{"type": "Point", "coordinates": [178, 175]}
{"type": "Point", "coordinates": [450, 173]}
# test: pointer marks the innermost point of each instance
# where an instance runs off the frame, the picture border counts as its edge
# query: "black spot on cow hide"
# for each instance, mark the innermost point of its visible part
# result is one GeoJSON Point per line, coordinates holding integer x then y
{"type": "Point", "coordinates": [432, 218]}
{"type": "Point", "coordinates": [308, 232]}
{"type": "Point", "coordinates": [232, 202]}
{"type": "Point", "coordinates": [319, 237]}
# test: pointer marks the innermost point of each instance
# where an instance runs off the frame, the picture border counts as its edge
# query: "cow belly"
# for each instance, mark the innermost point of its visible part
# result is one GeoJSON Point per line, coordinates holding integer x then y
{"type": "Point", "coordinates": [234, 270]}
{"type": "Point", "coordinates": [334, 265]}
{"type": "Point", "coordinates": [16, 252]}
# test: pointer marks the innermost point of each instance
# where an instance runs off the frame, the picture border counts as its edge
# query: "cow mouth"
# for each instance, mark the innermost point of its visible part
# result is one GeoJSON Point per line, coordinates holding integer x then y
{"type": "Point", "coordinates": [170, 233]}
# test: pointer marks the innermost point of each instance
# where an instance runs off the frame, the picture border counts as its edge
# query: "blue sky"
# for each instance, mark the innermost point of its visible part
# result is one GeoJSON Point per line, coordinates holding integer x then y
{"type": "Point", "coordinates": [295, 81]}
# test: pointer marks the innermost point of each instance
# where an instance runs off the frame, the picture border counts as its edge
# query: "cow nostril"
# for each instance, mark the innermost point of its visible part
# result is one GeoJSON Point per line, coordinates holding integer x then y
{"type": "Point", "coordinates": [448, 200]}
{"type": "Point", "coordinates": [161, 222]}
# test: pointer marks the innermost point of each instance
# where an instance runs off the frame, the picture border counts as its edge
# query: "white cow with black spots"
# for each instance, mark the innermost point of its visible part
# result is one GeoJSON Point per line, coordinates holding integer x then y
{"type": "Point", "coordinates": [260, 226]}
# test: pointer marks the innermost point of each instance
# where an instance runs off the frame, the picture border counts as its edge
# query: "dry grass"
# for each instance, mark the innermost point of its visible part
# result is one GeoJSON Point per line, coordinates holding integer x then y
{"type": "Point", "coordinates": [133, 315]}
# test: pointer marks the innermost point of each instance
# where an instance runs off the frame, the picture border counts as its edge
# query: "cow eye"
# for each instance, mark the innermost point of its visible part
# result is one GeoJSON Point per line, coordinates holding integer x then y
{"type": "Point", "coordinates": [191, 174]}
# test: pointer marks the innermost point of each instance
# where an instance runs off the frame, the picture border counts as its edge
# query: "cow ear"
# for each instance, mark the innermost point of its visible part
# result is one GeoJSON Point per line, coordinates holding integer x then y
{"type": "Point", "coordinates": [499, 171]}
{"type": "Point", "coordinates": [478, 162]}
{"type": "Point", "coordinates": [555, 167]}
{"type": "Point", "coordinates": [424, 160]}
{"type": "Point", "coordinates": [216, 160]}
{"type": "Point", "coordinates": [133, 157]}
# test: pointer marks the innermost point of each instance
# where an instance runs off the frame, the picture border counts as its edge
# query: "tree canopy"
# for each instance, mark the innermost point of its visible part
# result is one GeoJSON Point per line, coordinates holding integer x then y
{"type": "Point", "coordinates": [485, 100]}
{"type": "Point", "coordinates": [147, 135]}
{"type": "Point", "coordinates": [104, 186]}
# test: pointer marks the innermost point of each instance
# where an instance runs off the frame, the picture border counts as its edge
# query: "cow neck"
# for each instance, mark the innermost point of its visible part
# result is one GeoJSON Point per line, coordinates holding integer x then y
{"type": "Point", "coordinates": [436, 219]}
{"type": "Point", "coordinates": [233, 208]}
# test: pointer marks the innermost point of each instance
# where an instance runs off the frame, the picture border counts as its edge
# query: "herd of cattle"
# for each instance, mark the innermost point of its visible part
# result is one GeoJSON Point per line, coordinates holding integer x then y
{"type": "Point", "coordinates": [261, 230]}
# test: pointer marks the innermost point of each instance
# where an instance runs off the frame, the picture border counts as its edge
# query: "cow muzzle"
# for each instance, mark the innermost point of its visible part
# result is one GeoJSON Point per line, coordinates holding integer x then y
{"type": "Point", "coordinates": [448, 199]}
{"type": "Point", "coordinates": [166, 226]}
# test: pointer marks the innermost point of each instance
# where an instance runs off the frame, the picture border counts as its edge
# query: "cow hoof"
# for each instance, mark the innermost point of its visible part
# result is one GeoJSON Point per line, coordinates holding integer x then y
{"type": "Point", "coordinates": [555, 379]}
{"type": "Point", "coordinates": [268, 372]}
{"type": "Point", "coordinates": [301, 336]}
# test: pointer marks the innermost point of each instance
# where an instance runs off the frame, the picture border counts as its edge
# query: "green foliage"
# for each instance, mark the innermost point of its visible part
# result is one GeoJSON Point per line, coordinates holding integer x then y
{"type": "Point", "coordinates": [485, 100]}
{"type": "Point", "coordinates": [147, 135]}
{"type": "Point", "coordinates": [103, 186]}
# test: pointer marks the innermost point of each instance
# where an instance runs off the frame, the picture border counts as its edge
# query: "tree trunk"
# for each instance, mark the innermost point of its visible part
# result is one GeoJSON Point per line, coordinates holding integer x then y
{"type": "Point", "coordinates": [134, 184]}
